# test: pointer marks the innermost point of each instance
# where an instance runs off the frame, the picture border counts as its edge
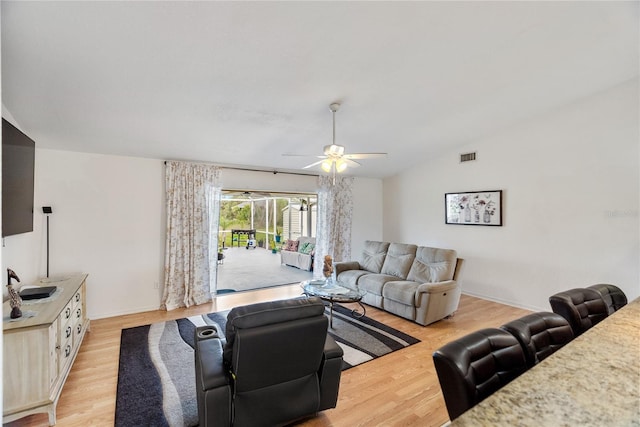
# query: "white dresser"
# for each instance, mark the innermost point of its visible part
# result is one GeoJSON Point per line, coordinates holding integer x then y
{"type": "Point", "coordinates": [38, 351]}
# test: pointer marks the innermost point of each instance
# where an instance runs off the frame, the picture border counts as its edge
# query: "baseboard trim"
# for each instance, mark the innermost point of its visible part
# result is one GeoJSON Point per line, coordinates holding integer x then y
{"type": "Point", "coordinates": [505, 302]}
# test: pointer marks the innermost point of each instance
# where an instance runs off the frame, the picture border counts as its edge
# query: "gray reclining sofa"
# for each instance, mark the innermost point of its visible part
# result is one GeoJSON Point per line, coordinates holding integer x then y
{"type": "Point", "coordinates": [418, 283]}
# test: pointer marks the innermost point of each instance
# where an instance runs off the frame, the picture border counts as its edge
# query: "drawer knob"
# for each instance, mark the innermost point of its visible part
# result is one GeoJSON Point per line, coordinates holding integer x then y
{"type": "Point", "coordinates": [68, 331]}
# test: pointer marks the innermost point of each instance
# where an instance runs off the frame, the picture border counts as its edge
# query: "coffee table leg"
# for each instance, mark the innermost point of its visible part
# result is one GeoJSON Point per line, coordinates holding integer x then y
{"type": "Point", "coordinates": [355, 313]}
{"type": "Point", "coordinates": [331, 314]}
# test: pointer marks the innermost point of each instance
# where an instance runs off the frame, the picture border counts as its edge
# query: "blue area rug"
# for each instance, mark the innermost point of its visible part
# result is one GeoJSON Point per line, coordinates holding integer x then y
{"type": "Point", "coordinates": [156, 375]}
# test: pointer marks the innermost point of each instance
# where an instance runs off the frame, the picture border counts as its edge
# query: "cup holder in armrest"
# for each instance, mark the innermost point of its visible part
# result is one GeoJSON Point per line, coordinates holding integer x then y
{"type": "Point", "coordinates": [207, 332]}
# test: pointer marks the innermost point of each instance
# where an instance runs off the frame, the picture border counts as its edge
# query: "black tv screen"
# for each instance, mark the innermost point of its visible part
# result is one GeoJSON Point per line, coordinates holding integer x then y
{"type": "Point", "coordinates": [18, 161]}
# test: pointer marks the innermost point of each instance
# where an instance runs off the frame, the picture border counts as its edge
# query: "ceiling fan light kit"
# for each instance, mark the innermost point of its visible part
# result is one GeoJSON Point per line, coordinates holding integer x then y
{"type": "Point", "coordinates": [333, 149]}
{"type": "Point", "coordinates": [335, 160]}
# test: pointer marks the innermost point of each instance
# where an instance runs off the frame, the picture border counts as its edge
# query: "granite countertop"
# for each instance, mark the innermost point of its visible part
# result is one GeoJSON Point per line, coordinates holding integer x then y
{"type": "Point", "coordinates": [592, 381]}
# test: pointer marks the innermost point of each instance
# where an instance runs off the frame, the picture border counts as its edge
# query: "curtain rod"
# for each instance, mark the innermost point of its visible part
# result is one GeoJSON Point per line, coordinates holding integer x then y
{"type": "Point", "coordinates": [275, 172]}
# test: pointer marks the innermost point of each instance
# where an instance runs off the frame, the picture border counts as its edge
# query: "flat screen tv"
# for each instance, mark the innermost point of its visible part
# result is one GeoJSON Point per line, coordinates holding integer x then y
{"type": "Point", "coordinates": [18, 162]}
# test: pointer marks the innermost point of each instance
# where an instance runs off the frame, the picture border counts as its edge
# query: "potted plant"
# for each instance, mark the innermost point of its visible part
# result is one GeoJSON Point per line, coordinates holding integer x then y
{"type": "Point", "coordinates": [277, 236]}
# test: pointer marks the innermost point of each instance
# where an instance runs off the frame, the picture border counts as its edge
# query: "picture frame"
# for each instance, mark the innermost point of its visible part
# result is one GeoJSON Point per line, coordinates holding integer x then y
{"type": "Point", "coordinates": [474, 208]}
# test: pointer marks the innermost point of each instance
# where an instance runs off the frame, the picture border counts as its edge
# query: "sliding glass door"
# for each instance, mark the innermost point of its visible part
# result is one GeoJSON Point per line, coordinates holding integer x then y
{"type": "Point", "coordinates": [253, 228]}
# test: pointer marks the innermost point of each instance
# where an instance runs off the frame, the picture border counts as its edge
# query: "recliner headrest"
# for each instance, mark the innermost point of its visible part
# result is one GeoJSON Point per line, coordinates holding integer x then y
{"type": "Point", "coordinates": [268, 313]}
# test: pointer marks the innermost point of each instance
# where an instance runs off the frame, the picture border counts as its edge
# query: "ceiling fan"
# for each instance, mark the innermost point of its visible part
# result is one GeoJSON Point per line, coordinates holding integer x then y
{"type": "Point", "coordinates": [335, 160]}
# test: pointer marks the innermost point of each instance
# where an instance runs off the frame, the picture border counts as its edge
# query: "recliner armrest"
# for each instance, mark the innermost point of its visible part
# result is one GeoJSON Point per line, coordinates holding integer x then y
{"type": "Point", "coordinates": [329, 374]}
{"type": "Point", "coordinates": [331, 348]}
{"type": "Point", "coordinates": [209, 362]}
{"type": "Point", "coordinates": [339, 267]}
{"type": "Point", "coordinates": [432, 288]}
{"type": "Point", "coordinates": [213, 388]}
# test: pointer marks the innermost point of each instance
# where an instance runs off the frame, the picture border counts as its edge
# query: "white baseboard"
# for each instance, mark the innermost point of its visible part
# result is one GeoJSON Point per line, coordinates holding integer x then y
{"type": "Point", "coordinates": [505, 302]}
{"type": "Point", "coordinates": [124, 312]}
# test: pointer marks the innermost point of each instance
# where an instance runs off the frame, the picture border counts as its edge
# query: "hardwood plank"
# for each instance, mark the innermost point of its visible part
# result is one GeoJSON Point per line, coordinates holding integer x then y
{"type": "Point", "coordinates": [401, 388]}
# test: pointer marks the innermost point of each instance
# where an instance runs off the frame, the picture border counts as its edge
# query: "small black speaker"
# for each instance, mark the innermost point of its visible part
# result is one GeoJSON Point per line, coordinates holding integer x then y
{"type": "Point", "coordinates": [46, 209]}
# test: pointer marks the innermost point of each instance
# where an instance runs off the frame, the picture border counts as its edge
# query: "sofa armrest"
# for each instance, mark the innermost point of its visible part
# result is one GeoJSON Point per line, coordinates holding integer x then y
{"type": "Point", "coordinates": [329, 374]}
{"type": "Point", "coordinates": [339, 267]}
{"type": "Point", "coordinates": [458, 268]}
{"type": "Point", "coordinates": [213, 387]}
{"type": "Point", "coordinates": [438, 287]}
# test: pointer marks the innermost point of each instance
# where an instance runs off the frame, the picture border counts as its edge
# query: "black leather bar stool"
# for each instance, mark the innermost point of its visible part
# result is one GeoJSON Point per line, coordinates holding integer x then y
{"type": "Point", "coordinates": [582, 308]}
{"type": "Point", "coordinates": [540, 334]}
{"type": "Point", "coordinates": [612, 296]}
{"type": "Point", "coordinates": [473, 367]}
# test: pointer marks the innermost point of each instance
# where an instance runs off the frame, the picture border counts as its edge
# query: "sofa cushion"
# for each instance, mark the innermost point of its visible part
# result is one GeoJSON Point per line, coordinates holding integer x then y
{"type": "Point", "coordinates": [432, 265]}
{"type": "Point", "coordinates": [402, 291]}
{"type": "Point", "coordinates": [350, 278]}
{"type": "Point", "coordinates": [399, 259]}
{"type": "Point", "coordinates": [373, 255]}
{"type": "Point", "coordinates": [291, 245]}
{"type": "Point", "coordinates": [373, 283]}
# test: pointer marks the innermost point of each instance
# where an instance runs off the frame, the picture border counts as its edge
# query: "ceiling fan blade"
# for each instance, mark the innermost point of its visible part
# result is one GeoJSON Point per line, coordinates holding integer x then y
{"type": "Point", "coordinates": [304, 155]}
{"type": "Point", "coordinates": [351, 163]}
{"type": "Point", "coordinates": [364, 155]}
{"type": "Point", "coordinates": [313, 164]}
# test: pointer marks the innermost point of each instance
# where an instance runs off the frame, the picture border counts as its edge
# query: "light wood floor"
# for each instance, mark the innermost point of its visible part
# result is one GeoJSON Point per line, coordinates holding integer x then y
{"type": "Point", "coordinates": [399, 389]}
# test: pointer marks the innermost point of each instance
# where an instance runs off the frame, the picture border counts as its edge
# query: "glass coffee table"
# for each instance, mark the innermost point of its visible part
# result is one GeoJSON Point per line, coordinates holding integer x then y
{"type": "Point", "coordinates": [331, 292]}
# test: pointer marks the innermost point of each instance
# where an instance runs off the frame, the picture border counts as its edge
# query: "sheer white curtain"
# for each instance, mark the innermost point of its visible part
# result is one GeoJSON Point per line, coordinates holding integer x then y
{"type": "Point", "coordinates": [214, 211]}
{"type": "Point", "coordinates": [191, 241]}
{"type": "Point", "coordinates": [335, 212]}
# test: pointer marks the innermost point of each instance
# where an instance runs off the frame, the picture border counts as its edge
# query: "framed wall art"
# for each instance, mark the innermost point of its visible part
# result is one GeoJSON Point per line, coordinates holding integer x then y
{"type": "Point", "coordinates": [474, 208]}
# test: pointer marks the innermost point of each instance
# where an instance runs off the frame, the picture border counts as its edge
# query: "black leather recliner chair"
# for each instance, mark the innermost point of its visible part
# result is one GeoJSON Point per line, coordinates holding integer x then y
{"type": "Point", "coordinates": [540, 334]}
{"type": "Point", "coordinates": [473, 367]}
{"type": "Point", "coordinates": [278, 365]}
{"type": "Point", "coordinates": [583, 308]}
{"type": "Point", "coordinates": [612, 295]}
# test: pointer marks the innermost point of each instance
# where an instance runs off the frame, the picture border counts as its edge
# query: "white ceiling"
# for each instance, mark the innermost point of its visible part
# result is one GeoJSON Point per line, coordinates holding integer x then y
{"type": "Point", "coordinates": [244, 82]}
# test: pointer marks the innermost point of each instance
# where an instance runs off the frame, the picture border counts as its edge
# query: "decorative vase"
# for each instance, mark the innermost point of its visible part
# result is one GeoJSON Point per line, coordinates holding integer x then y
{"type": "Point", "coordinates": [486, 217]}
{"type": "Point", "coordinates": [327, 268]}
{"type": "Point", "coordinates": [476, 217]}
{"type": "Point", "coordinates": [15, 301]}
{"type": "Point", "coordinates": [467, 215]}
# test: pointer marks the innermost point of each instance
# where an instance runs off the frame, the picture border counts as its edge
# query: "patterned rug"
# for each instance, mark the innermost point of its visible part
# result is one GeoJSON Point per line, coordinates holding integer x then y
{"type": "Point", "coordinates": [156, 380]}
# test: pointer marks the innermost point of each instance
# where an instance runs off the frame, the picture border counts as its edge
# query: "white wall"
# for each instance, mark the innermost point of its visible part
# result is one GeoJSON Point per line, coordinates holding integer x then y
{"type": "Point", "coordinates": [570, 182]}
{"type": "Point", "coordinates": [367, 214]}
{"type": "Point", "coordinates": [107, 221]}
{"type": "Point", "coordinates": [109, 217]}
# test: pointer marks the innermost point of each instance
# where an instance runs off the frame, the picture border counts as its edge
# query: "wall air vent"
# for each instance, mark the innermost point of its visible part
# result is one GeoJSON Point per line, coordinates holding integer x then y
{"type": "Point", "coordinates": [467, 157]}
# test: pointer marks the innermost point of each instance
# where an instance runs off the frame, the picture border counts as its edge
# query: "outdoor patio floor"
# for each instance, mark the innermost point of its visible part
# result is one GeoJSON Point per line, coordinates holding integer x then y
{"type": "Point", "coordinates": [248, 269]}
